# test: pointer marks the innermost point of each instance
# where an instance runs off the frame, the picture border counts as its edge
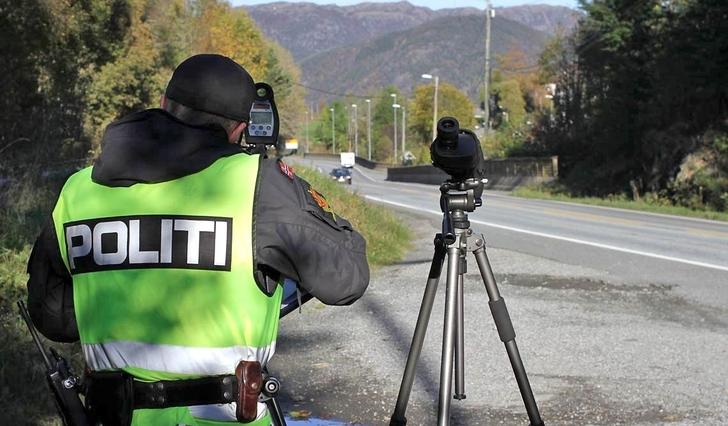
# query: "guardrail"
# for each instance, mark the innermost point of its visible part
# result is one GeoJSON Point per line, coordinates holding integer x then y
{"type": "Point", "coordinates": [369, 164]}
{"type": "Point", "coordinates": [321, 156]}
{"type": "Point", "coordinates": [359, 160]}
{"type": "Point", "coordinates": [503, 174]}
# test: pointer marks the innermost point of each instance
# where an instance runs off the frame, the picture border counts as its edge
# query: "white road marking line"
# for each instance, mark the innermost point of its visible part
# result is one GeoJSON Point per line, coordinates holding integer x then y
{"type": "Point", "coordinates": [619, 209]}
{"type": "Point", "coordinates": [365, 175]}
{"type": "Point", "coordinates": [558, 237]}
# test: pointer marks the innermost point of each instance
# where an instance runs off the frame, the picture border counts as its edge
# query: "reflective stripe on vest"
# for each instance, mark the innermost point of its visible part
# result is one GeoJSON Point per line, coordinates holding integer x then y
{"type": "Point", "coordinates": [163, 273]}
{"type": "Point", "coordinates": [181, 359]}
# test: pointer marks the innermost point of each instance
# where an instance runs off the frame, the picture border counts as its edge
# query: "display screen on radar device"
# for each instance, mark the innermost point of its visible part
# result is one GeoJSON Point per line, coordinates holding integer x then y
{"type": "Point", "coordinates": [261, 117]}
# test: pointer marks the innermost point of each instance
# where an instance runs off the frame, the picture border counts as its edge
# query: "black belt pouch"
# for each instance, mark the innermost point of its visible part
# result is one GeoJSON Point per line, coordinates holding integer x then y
{"type": "Point", "coordinates": [110, 398]}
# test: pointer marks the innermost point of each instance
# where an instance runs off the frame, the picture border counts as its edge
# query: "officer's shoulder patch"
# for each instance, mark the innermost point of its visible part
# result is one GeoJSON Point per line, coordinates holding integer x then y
{"type": "Point", "coordinates": [315, 203]}
{"type": "Point", "coordinates": [320, 200]}
{"type": "Point", "coordinates": [286, 169]}
{"type": "Point", "coordinates": [319, 203]}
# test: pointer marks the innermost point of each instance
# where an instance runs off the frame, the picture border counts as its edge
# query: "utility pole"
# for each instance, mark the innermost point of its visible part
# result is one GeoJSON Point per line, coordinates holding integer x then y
{"type": "Point", "coordinates": [404, 129]}
{"type": "Point", "coordinates": [369, 128]}
{"type": "Point", "coordinates": [348, 126]}
{"type": "Point", "coordinates": [489, 13]}
{"type": "Point", "coordinates": [434, 110]}
{"type": "Point", "coordinates": [308, 111]}
{"type": "Point", "coordinates": [434, 105]}
{"type": "Point", "coordinates": [333, 133]}
{"type": "Point", "coordinates": [394, 109]}
{"type": "Point", "coordinates": [356, 129]}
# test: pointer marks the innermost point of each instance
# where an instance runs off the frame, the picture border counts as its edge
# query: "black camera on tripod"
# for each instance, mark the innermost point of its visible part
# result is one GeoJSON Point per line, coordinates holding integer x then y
{"type": "Point", "coordinates": [457, 151]}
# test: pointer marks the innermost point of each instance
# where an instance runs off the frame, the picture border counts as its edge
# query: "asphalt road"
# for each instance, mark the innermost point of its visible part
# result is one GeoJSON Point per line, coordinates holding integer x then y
{"type": "Point", "coordinates": [635, 247]}
{"type": "Point", "coordinates": [620, 317]}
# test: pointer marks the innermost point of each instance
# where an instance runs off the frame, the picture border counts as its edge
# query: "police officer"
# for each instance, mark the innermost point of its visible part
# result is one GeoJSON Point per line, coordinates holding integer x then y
{"type": "Point", "coordinates": [165, 257]}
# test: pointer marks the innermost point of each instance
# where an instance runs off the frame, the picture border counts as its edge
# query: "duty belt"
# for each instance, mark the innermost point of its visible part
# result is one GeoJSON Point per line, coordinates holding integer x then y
{"type": "Point", "coordinates": [112, 396]}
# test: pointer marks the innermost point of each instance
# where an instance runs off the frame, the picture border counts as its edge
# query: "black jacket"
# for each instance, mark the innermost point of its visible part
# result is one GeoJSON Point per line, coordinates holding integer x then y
{"type": "Point", "coordinates": [295, 234]}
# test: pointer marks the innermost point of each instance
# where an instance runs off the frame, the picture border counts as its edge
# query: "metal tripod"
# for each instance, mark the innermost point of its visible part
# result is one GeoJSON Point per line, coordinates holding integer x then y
{"type": "Point", "coordinates": [276, 412]}
{"type": "Point", "coordinates": [455, 242]}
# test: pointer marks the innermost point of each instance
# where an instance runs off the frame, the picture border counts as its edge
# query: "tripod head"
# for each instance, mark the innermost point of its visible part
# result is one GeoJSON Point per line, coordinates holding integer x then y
{"type": "Point", "coordinates": [457, 197]}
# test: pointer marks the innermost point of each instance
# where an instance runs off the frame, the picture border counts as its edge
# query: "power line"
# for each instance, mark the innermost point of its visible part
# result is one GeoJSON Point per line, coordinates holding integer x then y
{"type": "Point", "coordinates": [525, 69]}
{"type": "Point", "coordinates": [328, 92]}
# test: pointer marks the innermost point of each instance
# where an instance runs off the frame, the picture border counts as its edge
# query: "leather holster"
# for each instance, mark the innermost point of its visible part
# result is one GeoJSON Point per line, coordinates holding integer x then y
{"type": "Point", "coordinates": [250, 382]}
{"type": "Point", "coordinates": [110, 398]}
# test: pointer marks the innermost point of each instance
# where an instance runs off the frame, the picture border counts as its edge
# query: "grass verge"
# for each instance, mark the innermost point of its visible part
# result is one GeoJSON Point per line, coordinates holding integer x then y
{"type": "Point", "coordinates": [618, 201]}
{"type": "Point", "coordinates": [24, 395]}
{"type": "Point", "coordinates": [387, 238]}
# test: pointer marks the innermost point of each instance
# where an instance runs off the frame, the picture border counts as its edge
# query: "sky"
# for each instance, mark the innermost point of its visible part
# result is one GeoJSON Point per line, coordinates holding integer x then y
{"type": "Point", "coordinates": [432, 4]}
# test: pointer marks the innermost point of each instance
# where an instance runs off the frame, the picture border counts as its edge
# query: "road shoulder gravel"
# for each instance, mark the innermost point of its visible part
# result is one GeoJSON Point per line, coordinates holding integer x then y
{"type": "Point", "coordinates": [597, 350]}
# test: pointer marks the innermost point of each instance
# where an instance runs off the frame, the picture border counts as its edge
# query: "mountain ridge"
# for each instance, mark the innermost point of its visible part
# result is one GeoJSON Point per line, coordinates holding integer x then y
{"type": "Point", "coordinates": [335, 45]}
{"type": "Point", "coordinates": [308, 28]}
{"type": "Point", "coordinates": [400, 58]}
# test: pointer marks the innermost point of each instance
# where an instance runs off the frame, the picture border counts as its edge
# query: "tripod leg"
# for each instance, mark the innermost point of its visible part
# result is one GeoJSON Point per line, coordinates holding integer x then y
{"type": "Point", "coordinates": [460, 341]}
{"type": "Point", "coordinates": [448, 339]}
{"type": "Point", "coordinates": [275, 412]}
{"type": "Point", "coordinates": [398, 417]}
{"type": "Point", "coordinates": [507, 334]}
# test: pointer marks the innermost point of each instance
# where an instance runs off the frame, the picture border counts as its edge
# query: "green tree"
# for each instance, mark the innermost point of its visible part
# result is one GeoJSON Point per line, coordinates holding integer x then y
{"type": "Point", "coordinates": [163, 33]}
{"type": "Point", "coordinates": [218, 28]}
{"type": "Point", "coordinates": [641, 86]}
{"type": "Point", "coordinates": [450, 102]}
{"type": "Point", "coordinates": [321, 129]}
{"type": "Point", "coordinates": [383, 124]}
{"type": "Point", "coordinates": [550, 61]}
{"type": "Point", "coordinates": [132, 82]}
{"type": "Point", "coordinates": [509, 98]}
{"type": "Point", "coordinates": [282, 74]}
{"type": "Point", "coordinates": [47, 49]}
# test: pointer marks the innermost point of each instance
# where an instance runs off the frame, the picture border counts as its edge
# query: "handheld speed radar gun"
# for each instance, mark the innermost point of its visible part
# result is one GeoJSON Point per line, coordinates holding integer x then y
{"type": "Point", "coordinates": [264, 124]}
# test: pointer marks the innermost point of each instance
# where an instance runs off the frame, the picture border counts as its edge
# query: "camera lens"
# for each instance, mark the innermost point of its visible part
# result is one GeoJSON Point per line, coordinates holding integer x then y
{"type": "Point", "coordinates": [447, 131]}
{"type": "Point", "coordinates": [446, 124]}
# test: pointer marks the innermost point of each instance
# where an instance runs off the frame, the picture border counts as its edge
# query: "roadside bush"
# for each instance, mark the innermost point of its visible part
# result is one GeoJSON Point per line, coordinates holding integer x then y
{"type": "Point", "coordinates": [499, 143]}
{"type": "Point", "coordinates": [26, 203]}
{"type": "Point", "coordinates": [24, 397]}
{"type": "Point", "coordinates": [702, 182]}
{"type": "Point", "coordinates": [512, 141]}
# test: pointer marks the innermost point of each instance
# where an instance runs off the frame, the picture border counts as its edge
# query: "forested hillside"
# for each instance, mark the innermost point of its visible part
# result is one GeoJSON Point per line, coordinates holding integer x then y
{"type": "Point", "coordinates": [363, 47]}
{"type": "Point", "coordinates": [641, 105]}
{"type": "Point", "coordinates": [400, 58]}
{"type": "Point", "coordinates": [548, 19]}
{"type": "Point", "coordinates": [70, 68]}
{"type": "Point", "coordinates": [307, 29]}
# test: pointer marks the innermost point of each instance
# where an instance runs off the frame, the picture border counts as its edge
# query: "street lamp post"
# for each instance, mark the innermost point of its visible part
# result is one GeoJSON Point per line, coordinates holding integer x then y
{"type": "Point", "coordinates": [348, 126]}
{"type": "Point", "coordinates": [333, 133]}
{"type": "Point", "coordinates": [395, 107]}
{"type": "Point", "coordinates": [308, 111]}
{"type": "Point", "coordinates": [369, 128]}
{"type": "Point", "coordinates": [394, 110]}
{"type": "Point", "coordinates": [489, 14]}
{"type": "Point", "coordinates": [404, 129]}
{"type": "Point", "coordinates": [356, 129]}
{"type": "Point", "coordinates": [434, 104]}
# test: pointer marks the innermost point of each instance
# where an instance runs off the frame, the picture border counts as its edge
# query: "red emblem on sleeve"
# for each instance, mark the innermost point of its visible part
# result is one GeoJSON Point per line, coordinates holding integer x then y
{"type": "Point", "coordinates": [286, 169]}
